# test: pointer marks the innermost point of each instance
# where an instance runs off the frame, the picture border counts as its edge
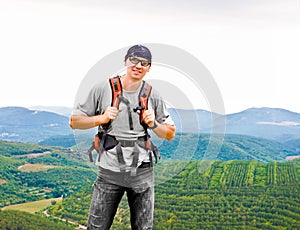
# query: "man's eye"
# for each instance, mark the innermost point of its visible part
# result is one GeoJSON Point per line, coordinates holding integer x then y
{"type": "Point", "coordinates": [134, 60]}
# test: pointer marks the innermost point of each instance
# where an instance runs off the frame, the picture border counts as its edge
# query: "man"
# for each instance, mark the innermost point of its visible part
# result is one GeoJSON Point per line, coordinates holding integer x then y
{"type": "Point", "coordinates": [125, 158]}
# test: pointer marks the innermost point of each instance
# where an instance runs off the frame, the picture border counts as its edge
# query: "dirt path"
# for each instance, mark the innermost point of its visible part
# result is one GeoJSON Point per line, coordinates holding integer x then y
{"type": "Point", "coordinates": [71, 222]}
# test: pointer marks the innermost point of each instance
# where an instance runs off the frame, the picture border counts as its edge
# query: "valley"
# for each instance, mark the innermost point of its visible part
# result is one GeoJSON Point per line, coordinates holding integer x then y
{"type": "Point", "coordinates": [236, 193]}
{"type": "Point", "coordinates": [246, 178]}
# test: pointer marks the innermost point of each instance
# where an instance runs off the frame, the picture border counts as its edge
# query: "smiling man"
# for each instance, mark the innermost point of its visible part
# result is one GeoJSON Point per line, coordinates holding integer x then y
{"type": "Point", "coordinates": [124, 108]}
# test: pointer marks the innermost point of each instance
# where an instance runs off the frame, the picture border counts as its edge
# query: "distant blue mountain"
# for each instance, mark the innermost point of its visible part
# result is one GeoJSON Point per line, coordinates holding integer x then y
{"type": "Point", "coordinates": [270, 123]}
{"type": "Point", "coordinates": [62, 110]}
{"type": "Point", "coordinates": [192, 121]}
{"type": "Point", "coordinates": [25, 125]}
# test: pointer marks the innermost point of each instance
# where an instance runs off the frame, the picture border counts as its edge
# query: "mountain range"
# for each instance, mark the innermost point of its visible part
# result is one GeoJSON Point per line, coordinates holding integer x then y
{"type": "Point", "coordinates": [62, 110]}
{"type": "Point", "coordinates": [270, 123]}
{"type": "Point", "coordinates": [25, 125]}
{"type": "Point", "coordinates": [35, 125]}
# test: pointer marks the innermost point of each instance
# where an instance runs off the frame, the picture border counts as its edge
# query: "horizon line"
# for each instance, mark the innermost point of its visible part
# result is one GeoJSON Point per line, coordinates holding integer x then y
{"type": "Point", "coordinates": [36, 107]}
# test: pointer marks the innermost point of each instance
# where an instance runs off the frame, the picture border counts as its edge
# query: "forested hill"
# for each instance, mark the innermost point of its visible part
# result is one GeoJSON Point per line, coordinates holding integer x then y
{"type": "Point", "coordinates": [226, 195]}
{"type": "Point", "coordinates": [30, 172]}
{"type": "Point", "coordinates": [16, 220]}
{"type": "Point", "coordinates": [198, 194]}
{"type": "Point", "coordinates": [204, 146]}
{"type": "Point", "coordinates": [231, 147]}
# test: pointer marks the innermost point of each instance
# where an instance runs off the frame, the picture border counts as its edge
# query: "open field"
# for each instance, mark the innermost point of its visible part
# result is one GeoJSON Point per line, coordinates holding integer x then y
{"type": "Point", "coordinates": [32, 207]}
{"type": "Point", "coordinates": [35, 167]}
{"type": "Point", "coordinates": [3, 181]}
{"type": "Point", "coordinates": [34, 155]}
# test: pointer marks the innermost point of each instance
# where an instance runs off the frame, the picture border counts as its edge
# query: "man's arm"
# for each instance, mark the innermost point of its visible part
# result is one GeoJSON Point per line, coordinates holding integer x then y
{"type": "Point", "coordinates": [86, 122]}
{"type": "Point", "coordinates": [165, 131]}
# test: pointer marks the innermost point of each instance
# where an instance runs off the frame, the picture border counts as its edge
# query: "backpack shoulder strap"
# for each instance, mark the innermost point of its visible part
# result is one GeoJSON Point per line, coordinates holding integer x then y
{"type": "Point", "coordinates": [143, 99]}
{"type": "Point", "coordinates": [116, 90]}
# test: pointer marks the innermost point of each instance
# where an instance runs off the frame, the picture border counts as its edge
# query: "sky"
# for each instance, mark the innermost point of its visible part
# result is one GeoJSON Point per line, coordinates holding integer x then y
{"type": "Point", "coordinates": [251, 48]}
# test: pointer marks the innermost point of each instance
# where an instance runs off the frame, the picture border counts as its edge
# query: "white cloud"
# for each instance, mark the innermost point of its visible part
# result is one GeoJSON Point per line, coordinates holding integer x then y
{"type": "Point", "coordinates": [283, 123]}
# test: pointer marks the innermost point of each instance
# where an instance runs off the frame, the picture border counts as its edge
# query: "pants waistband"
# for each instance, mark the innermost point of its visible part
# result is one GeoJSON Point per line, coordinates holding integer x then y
{"type": "Point", "coordinates": [131, 143]}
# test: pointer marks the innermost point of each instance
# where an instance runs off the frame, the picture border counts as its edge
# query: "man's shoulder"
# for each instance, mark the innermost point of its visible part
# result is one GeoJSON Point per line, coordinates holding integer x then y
{"type": "Point", "coordinates": [154, 92]}
{"type": "Point", "coordinates": [101, 85]}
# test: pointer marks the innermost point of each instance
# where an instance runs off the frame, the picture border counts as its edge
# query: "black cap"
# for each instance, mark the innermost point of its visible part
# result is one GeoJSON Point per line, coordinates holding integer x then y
{"type": "Point", "coordinates": [139, 51]}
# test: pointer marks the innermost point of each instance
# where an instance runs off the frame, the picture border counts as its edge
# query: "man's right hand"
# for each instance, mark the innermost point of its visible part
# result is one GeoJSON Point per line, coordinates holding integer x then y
{"type": "Point", "coordinates": [110, 114]}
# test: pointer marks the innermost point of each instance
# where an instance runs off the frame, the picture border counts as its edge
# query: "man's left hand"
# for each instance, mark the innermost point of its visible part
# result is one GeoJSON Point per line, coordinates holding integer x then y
{"type": "Point", "coordinates": [149, 117]}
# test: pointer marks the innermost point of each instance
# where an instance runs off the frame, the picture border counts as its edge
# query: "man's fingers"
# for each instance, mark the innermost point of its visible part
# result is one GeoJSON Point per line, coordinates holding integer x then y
{"type": "Point", "coordinates": [149, 116]}
{"type": "Point", "coordinates": [112, 112]}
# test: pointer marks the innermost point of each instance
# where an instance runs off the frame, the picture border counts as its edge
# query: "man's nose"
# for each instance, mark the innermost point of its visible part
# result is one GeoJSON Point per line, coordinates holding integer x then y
{"type": "Point", "coordinates": [139, 65]}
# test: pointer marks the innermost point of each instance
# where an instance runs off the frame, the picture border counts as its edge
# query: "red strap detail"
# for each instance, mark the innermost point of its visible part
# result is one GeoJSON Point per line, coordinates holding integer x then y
{"type": "Point", "coordinates": [96, 142]}
{"type": "Point", "coordinates": [148, 144]}
{"type": "Point", "coordinates": [116, 89]}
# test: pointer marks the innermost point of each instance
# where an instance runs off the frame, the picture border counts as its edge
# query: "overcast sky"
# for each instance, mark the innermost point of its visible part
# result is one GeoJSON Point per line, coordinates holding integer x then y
{"type": "Point", "coordinates": [251, 48]}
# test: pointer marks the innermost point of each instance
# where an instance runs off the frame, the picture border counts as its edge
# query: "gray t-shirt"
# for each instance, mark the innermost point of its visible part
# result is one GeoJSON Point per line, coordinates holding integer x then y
{"type": "Point", "coordinates": [99, 98]}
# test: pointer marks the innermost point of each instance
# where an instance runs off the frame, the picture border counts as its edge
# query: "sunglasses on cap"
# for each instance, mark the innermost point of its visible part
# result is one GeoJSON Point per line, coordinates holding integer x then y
{"type": "Point", "coordinates": [136, 60]}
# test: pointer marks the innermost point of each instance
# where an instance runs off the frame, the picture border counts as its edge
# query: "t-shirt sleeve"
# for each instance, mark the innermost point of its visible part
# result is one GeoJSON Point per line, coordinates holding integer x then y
{"type": "Point", "coordinates": [162, 114]}
{"type": "Point", "coordinates": [89, 105]}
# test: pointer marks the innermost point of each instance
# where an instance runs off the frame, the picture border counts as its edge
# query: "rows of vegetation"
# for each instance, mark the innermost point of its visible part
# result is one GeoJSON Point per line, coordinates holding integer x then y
{"type": "Point", "coordinates": [213, 195]}
{"type": "Point", "coordinates": [230, 195]}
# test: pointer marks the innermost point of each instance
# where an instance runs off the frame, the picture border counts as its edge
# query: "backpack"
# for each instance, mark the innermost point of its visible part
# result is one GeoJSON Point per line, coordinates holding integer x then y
{"type": "Point", "coordinates": [117, 97]}
{"type": "Point", "coordinates": [104, 141]}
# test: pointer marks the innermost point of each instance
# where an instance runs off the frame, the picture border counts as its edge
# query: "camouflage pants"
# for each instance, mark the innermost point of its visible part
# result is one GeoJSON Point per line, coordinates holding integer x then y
{"type": "Point", "coordinates": [106, 198]}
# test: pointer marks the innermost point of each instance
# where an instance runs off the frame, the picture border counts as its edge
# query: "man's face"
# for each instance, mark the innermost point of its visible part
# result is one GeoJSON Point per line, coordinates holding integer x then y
{"type": "Point", "coordinates": [137, 67]}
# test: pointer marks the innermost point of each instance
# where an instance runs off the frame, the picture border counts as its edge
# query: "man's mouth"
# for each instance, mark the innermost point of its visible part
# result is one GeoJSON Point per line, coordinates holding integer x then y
{"type": "Point", "coordinates": [137, 70]}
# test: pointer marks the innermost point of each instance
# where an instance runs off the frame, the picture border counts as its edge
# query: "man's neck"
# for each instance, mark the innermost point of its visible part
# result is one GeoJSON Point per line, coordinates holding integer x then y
{"type": "Point", "coordinates": [130, 84]}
